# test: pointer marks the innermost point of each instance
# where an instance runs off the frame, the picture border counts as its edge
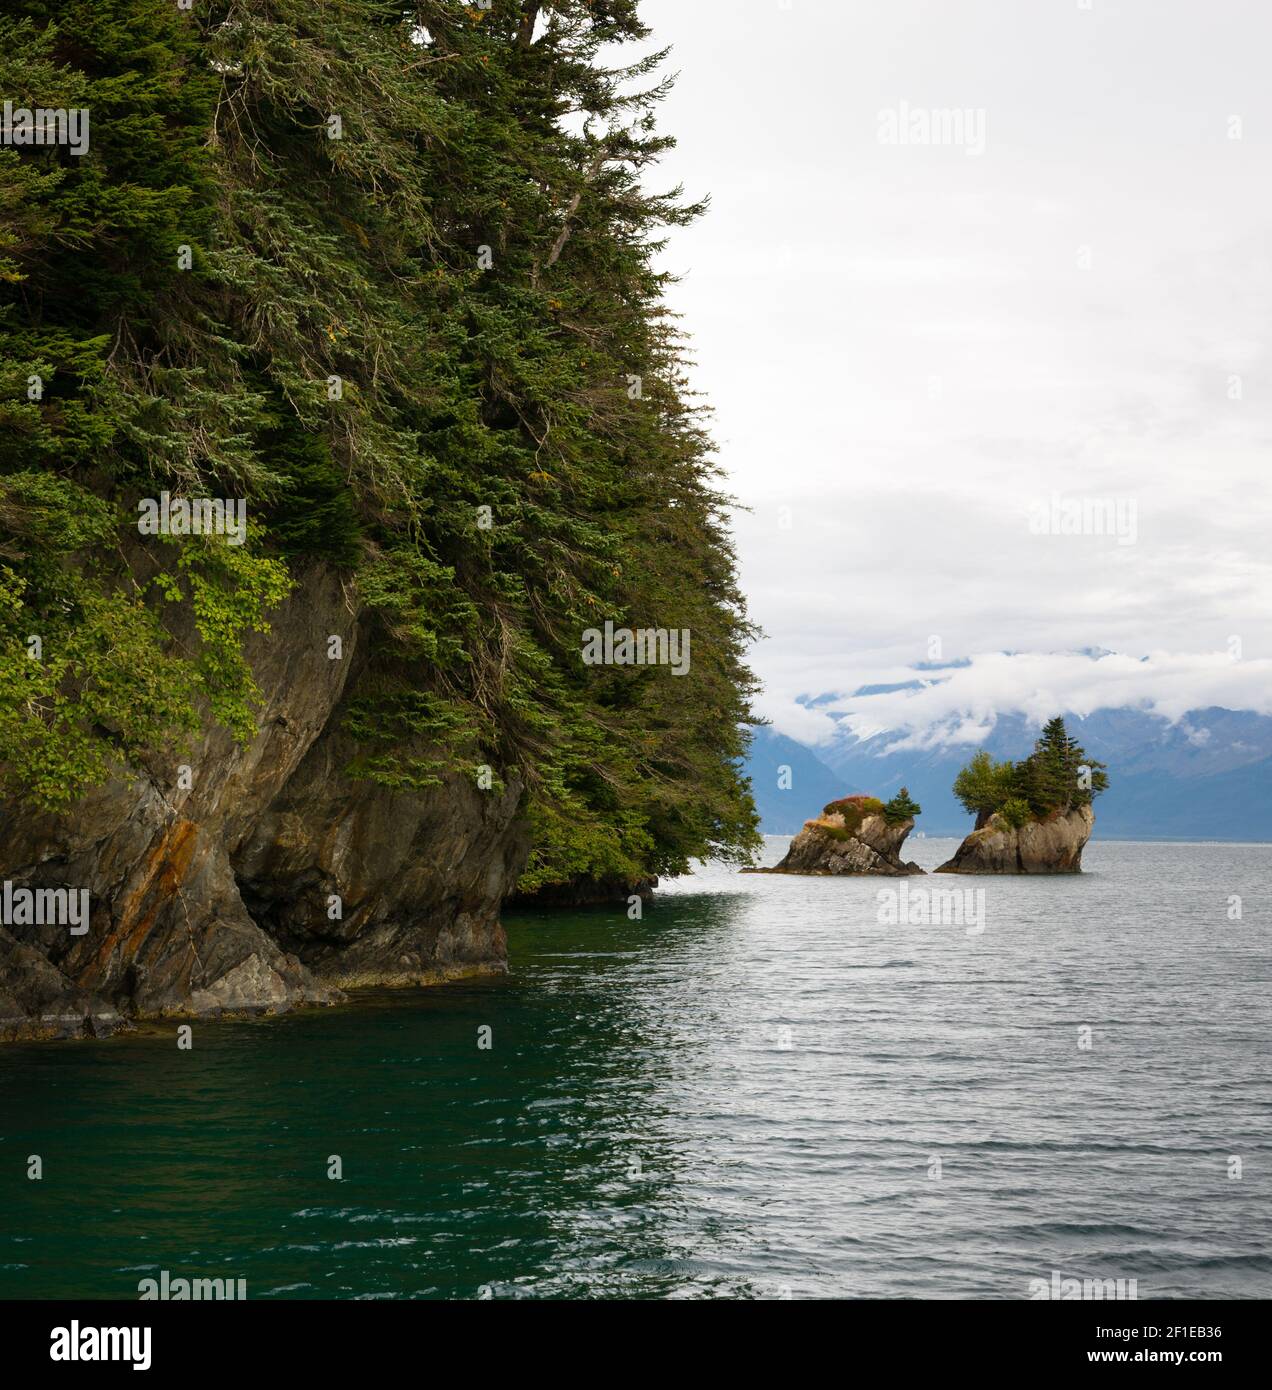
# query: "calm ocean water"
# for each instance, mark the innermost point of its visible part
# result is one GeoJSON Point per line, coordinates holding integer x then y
{"type": "Point", "coordinates": [744, 1094]}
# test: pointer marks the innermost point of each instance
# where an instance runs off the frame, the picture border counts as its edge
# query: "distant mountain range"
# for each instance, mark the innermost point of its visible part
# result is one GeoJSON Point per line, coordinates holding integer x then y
{"type": "Point", "coordinates": [1208, 777]}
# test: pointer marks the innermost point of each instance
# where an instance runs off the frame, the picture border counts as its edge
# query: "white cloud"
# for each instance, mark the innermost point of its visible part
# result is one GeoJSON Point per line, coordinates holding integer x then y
{"type": "Point", "coordinates": [903, 348]}
{"type": "Point", "coordinates": [960, 705]}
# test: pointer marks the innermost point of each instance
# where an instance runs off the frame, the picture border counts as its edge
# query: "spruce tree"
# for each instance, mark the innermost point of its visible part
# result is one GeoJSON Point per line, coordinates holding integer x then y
{"type": "Point", "coordinates": [1052, 774]}
{"type": "Point", "coordinates": [901, 807]}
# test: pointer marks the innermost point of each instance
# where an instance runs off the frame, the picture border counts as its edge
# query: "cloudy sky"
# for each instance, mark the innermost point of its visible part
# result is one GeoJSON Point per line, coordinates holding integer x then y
{"type": "Point", "coordinates": [922, 351]}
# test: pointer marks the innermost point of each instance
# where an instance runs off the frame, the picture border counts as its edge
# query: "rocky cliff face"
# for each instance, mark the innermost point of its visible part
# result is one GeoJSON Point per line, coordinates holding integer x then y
{"type": "Point", "coordinates": [219, 896]}
{"type": "Point", "coordinates": [1051, 846]}
{"type": "Point", "coordinates": [849, 841]}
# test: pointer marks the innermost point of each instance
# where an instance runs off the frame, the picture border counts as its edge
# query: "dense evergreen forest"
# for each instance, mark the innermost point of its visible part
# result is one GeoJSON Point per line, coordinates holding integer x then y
{"type": "Point", "coordinates": [389, 273]}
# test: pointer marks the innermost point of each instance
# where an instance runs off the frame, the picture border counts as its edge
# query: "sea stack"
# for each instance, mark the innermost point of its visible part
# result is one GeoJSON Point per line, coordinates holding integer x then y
{"type": "Point", "coordinates": [855, 835]}
{"type": "Point", "coordinates": [1049, 845]}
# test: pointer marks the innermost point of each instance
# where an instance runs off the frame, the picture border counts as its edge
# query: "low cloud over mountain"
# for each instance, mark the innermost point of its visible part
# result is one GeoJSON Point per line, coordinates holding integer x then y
{"type": "Point", "coordinates": [1188, 739]}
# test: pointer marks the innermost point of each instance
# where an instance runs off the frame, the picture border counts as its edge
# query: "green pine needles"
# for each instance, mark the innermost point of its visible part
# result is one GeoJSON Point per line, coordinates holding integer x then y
{"type": "Point", "coordinates": [389, 273]}
{"type": "Point", "coordinates": [901, 807]}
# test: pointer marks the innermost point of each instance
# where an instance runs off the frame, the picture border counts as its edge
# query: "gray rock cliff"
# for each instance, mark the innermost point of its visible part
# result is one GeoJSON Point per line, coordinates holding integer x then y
{"type": "Point", "coordinates": [217, 898]}
{"type": "Point", "coordinates": [1050, 846]}
{"type": "Point", "coordinates": [849, 837]}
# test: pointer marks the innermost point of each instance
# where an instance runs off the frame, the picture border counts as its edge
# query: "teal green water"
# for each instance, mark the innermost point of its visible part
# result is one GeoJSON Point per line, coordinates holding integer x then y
{"type": "Point", "coordinates": [742, 1094]}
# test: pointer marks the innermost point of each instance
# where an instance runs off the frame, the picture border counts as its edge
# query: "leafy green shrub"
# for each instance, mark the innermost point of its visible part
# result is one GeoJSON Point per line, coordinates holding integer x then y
{"type": "Point", "coordinates": [984, 785]}
{"type": "Point", "coordinates": [854, 809]}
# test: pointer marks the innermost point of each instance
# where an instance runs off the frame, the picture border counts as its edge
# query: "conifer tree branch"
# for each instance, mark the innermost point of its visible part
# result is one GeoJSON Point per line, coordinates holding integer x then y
{"type": "Point", "coordinates": [529, 17]}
